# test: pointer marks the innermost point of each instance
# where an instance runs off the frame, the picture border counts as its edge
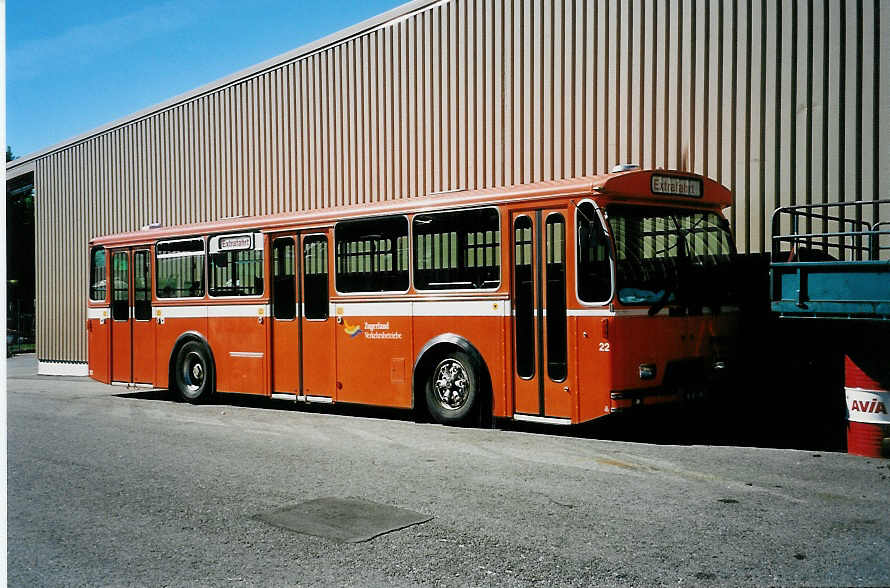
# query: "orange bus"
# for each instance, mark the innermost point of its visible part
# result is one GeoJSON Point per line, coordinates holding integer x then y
{"type": "Point", "coordinates": [610, 292]}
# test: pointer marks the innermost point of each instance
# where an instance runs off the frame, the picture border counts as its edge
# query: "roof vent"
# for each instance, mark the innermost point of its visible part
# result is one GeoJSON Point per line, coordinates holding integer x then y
{"type": "Point", "coordinates": [623, 167]}
{"type": "Point", "coordinates": [150, 226]}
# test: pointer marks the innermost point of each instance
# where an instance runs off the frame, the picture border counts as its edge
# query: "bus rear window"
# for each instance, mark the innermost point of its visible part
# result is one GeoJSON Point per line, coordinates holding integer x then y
{"type": "Point", "coordinates": [97, 274]}
{"type": "Point", "coordinates": [180, 268]}
{"type": "Point", "coordinates": [457, 250]}
{"type": "Point", "coordinates": [372, 255]}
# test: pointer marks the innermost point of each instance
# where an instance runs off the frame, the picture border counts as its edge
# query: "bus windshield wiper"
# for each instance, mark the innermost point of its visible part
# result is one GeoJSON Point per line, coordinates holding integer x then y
{"type": "Point", "coordinates": [661, 302]}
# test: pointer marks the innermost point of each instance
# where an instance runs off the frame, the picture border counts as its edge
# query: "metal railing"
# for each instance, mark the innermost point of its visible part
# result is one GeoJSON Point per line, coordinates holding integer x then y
{"type": "Point", "coordinates": [840, 238]}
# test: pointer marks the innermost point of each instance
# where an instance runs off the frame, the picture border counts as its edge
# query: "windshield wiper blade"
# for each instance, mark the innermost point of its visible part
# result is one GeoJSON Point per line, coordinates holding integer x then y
{"type": "Point", "coordinates": [661, 302]}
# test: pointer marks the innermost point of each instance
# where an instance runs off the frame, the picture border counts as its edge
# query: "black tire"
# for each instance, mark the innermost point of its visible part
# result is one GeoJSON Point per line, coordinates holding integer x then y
{"type": "Point", "coordinates": [452, 389]}
{"type": "Point", "coordinates": [193, 372]}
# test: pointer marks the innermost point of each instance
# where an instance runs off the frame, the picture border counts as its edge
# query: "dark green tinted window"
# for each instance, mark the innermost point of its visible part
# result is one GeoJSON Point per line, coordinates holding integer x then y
{"type": "Point", "coordinates": [372, 255]}
{"type": "Point", "coordinates": [457, 250]}
{"type": "Point", "coordinates": [315, 276]}
{"type": "Point", "coordinates": [594, 267]}
{"type": "Point", "coordinates": [180, 268]}
{"type": "Point", "coordinates": [236, 272]}
{"type": "Point", "coordinates": [284, 287]}
{"type": "Point", "coordinates": [97, 274]}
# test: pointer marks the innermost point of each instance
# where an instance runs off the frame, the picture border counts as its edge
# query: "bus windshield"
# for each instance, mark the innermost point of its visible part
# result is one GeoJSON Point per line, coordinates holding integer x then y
{"type": "Point", "coordinates": [671, 256]}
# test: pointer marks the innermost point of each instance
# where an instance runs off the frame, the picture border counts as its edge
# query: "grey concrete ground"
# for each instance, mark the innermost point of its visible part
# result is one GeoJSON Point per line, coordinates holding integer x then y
{"type": "Point", "coordinates": [114, 488]}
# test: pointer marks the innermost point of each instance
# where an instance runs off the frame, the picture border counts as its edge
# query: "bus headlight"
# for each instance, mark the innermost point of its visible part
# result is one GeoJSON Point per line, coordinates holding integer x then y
{"type": "Point", "coordinates": [647, 371]}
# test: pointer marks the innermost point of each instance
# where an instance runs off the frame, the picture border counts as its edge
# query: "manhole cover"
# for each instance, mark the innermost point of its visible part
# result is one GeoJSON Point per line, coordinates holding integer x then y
{"type": "Point", "coordinates": [343, 519]}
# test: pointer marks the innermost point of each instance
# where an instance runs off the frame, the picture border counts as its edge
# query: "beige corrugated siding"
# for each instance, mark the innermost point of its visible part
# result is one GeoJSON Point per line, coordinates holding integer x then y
{"type": "Point", "coordinates": [782, 101]}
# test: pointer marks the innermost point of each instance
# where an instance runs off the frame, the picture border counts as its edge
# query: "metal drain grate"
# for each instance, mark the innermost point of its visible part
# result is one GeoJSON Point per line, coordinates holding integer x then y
{"type": "Point", "coordinates": [349, 520]}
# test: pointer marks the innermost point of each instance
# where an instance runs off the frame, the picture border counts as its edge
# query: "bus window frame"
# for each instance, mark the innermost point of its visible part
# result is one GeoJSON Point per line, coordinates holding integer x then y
{"type": "Point", "coordinates": [253, 234]}
{"type": "Point", "coordinates": [104, 299]}
{"type": "Point", "coordinates": [204, 296]}
{"type": "Point", "coordinates": [499, 257]}
{"type": "Point", "coordinates": [514, 290]}
{"type": "Point", "coordinates": [272, 238]}
{"type": "Point", "coordinates": [125, 253]}
{"type": "Point", "coordinates": [302, 274]}
{"type": "Point", "coordinates": [612, 268]}
{"type": "Point", "coordinates": [151, 292]}
{"type": "Point", "coordinates": [545, 306]}
{"type": "Point", "coordinates": [373, 292]}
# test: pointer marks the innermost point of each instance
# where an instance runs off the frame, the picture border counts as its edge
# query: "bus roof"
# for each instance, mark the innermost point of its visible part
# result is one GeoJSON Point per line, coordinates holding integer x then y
{"type": "Point", "coordinates": [637, 186]}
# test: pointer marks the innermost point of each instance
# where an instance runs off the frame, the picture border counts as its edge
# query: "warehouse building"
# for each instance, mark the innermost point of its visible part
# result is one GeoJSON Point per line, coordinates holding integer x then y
{"type": "Point", "coordinates": [782, 101]}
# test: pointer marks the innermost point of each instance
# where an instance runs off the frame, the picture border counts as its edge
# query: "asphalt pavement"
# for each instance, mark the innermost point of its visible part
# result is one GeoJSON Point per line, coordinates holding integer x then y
{"type": "Point", "coordinates": [109, 486]}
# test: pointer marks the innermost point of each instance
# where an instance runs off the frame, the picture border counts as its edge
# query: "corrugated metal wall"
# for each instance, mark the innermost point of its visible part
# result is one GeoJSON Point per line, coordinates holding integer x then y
{"type": "Point", "coordinates": [782, 101]}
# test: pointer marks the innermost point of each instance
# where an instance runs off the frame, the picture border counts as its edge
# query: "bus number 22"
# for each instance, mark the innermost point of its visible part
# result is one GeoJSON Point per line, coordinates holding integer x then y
{"type": "Point", "coordinates": [604, 347]}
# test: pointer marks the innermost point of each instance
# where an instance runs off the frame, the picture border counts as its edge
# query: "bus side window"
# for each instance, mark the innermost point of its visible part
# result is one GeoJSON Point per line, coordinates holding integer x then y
{"type": "Point", "coordinates": [141, 285]}
{"type": "Point", "coordinates": [594, 269]}
{"type": "Point", "coordinates": [97, 274]}
{"type": "Point", "coordinates": [315, 276]}
{"type": "Point", "coordinates": [524, 287]}
{"type": "Point", "coordinates": [236, 267]}
{"type": "Point", "coordinates": [284, 285]}
{"type": "Point", "coordinates": [372, 255]}
{"type": "Point", "coordinates": [180, 268]}
{"type": "Point", "coordinates": [457, 250]}
{"type": "Point", "coordinates": [554, 253]}
{"type": "Point", "coordinates": [120, 289]}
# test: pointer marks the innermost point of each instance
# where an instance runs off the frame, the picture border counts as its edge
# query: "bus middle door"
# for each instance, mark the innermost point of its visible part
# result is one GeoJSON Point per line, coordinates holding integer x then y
{"type": "Point", "coordinates": [285, 323]}
{"type": "Point", "coordinates": [317, 353]}
{"type": "Point", "coordinates": [302, 330]}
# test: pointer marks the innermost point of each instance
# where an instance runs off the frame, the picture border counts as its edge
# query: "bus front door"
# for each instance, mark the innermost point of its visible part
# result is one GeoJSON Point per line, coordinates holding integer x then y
{"type": "Point", "coordinates": [541, 380]}
{"type": "Point", "coordinates": [132, 332]}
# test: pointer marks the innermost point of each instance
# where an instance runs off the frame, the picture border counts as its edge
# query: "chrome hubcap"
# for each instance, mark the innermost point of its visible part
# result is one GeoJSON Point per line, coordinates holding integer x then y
{"type": "Point", "coordinates": [193, 373]}
{"type": "Point", "coordinates": [451, 384]}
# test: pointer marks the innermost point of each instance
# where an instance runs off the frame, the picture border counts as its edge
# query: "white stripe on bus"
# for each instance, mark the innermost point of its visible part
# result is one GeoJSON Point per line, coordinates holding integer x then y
{"type": "Point", "coordinates": [215, 311]}
{"type": "Point", "coordinates": [468, 308]}
{"type": "Point", "coordinates": [463, 308]}
{"type": "Point", "coordinates": [487, 307]}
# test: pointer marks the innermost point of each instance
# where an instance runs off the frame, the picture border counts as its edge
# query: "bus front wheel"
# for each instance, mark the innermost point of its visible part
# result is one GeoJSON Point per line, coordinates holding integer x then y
{"type": "Point", "coordinates": [452, 389]}
{"type": "Point", "coordinates": [193, 372]}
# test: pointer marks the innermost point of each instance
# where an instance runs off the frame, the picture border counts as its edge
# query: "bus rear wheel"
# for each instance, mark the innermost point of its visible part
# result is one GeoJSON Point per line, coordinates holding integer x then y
{"type": "Point", "coordinates": [452, 389]}
{"type": "Point", "coordinates": [193, 372]}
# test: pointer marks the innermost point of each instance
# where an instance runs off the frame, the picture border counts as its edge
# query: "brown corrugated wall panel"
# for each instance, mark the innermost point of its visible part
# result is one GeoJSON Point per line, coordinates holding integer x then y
{"type": "Point", "coordinates": [784, 101]}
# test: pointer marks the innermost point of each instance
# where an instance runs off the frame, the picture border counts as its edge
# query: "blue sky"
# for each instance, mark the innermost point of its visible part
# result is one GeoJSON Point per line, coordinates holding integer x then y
{"type": "Point", "coordinates": [73, 65]}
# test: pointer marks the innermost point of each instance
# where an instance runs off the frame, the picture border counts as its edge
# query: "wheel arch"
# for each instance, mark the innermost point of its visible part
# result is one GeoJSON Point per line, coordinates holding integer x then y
{"type": "Point", "coordinates": [436, 348]}
{"type": "Point", "coordinates": [184, 338]}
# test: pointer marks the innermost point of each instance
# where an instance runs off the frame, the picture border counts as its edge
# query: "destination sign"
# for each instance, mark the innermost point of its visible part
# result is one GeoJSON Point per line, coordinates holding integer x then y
{"type": "Point", "coordinates": [677, 186]}
{"type": "Point", "coordinates": [235, 243]}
